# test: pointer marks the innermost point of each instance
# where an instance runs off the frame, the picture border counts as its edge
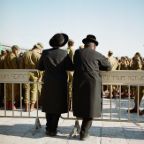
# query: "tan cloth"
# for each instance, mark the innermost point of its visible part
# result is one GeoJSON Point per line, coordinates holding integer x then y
{"type": "Point", "coordinates": [12, 62]}
{"type": "Point", "coordinates": [137, 65]}
{"type": "Point", "coordinates": [30, 61]}
{"type": "Point", "coordinates": [70, 78]}
{"type": "Point", "coordinates": [113, 62]}
{"type": "Point", "coordinates": [2, 59]}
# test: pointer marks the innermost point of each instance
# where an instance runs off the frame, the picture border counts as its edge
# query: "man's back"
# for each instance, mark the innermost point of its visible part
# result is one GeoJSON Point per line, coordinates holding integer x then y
{"type": "Point", "coordinates": [89, 60]}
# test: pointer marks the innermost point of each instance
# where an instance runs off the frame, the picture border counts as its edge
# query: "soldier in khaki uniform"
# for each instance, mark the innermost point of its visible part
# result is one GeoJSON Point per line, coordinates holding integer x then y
{"type": "Point", "coordinates": [137, 65]}
{"type": "Point", "coordinates": [114, 64]}
{"type": "Point", "coordinates": [113, 61]}
{"type": "Point", "coordinates": [30, 61]}
{"type": "Point", "coordinates": [70, 74]}
{"type": "Point", "coordinates": [2, 58]}
{"type": "Point", "coordinates": [123, 65]}
{"type": "Point", "coordinates": [12, 62]}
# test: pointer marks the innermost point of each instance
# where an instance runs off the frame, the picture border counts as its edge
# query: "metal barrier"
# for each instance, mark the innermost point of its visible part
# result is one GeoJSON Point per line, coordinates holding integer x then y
{"type": "Point", "coordinates": [117, 109]}
{"type": "Point", "coordinates": [131, 78]}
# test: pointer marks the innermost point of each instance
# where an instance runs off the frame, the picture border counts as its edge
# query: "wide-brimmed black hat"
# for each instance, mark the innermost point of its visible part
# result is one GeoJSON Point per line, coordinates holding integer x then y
{"type": "Point", "coordinates": [90, 38]}
{"type": "Point", "coordinates": [59, 40]}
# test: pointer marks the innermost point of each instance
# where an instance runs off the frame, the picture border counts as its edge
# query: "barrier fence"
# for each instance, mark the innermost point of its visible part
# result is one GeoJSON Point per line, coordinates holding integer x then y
{"type": "Point", "coordinates": [114, 108]}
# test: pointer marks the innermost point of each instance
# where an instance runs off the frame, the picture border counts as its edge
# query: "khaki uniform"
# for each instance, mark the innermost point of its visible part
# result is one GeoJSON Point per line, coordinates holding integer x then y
{"type": "Point", "coordinates": [2, 57]}
{"type": "Point", "coordinates": [123, 66]}
{"type": "Point", "coordinates": [124, 89]}
{"type": "Point", "coordinates": [113, 62]}
{"type": "Point", "coordinates": [70, 77]}
{"type": "Point", "coordinates": [30, 61]}
{"type": "Point", "coordinates": [114, 65]}
{"type": "Point", "coordinates": [11, 62]}
{"type": "Point", "coordinates": [137, 65]}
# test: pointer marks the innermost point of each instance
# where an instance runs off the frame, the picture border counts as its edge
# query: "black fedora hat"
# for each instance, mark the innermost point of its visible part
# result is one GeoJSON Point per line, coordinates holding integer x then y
{"type": "Point", "coordinates": [90, 38]}
{"type": "Point", "coordinates": [59, 40]}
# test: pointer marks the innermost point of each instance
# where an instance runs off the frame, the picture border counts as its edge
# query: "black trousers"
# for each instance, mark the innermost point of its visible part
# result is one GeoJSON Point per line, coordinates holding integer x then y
{"type": "Point", "coordinates": [52, 122]}
{"type": "Point", "coordinates": [86, 124]}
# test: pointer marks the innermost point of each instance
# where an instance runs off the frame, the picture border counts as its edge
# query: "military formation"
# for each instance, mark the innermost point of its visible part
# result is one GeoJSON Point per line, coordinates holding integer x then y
{"type": "Point", "coordinates": [126, 63]}
{"type": "Point", "coordinates": [14, 59]}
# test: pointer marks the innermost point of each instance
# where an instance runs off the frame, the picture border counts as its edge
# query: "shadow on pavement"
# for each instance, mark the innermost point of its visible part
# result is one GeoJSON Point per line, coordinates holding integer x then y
{"type": "Point", "coordinates": [28, 130]}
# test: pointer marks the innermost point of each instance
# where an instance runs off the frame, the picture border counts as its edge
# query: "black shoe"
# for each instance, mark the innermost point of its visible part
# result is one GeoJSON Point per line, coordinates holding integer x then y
{"type": "Point", "coordinates": [51, 133]}
{"type": "Point", "coordinates": [47, 132]}
{"type": "Point", "coordinates": [84, 135]}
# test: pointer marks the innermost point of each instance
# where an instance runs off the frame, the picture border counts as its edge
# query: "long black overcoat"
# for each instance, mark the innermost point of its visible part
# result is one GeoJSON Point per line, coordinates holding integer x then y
{"type": "Point", "coordinates": [87, 83]}
{"type": "Point", "coordinates": [54, 62]}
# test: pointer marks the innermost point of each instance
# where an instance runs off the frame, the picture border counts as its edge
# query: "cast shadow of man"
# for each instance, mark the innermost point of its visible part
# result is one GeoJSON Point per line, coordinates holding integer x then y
{"type": "Point", "coordinates": [29, 131]}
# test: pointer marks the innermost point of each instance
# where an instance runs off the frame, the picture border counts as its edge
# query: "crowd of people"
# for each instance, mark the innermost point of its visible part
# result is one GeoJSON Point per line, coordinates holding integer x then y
{"type": "Point", "coordinates": [75, 74]}
{"type": "Point", "coordinates": [14, 59]}
{"type": "Point", "coordinates": [126, 63]}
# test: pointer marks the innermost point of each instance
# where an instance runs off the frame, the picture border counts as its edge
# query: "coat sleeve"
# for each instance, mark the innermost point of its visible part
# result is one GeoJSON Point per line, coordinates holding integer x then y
{"type": "Point", "coordinates": [75, 59]}
{"type": "Point", "coordinates": [104, 64]}
{"type": "Point", "coordinates": [68, 64]}
{"type": "Point", "coordinates": [40, 65]}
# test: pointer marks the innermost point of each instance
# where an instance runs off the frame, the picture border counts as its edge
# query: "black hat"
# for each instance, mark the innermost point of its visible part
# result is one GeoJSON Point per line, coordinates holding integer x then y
{"type": "Point", "coordinates": [90, 38]}
{"type": "Point", "coordinates": [58, 40]}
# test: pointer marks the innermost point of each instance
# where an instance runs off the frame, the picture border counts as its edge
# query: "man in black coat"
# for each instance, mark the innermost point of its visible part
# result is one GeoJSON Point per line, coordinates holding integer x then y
{"type": "Point", "coordinates": [87, 83]}
{"type": "Point", "coordinates": [55, 62]}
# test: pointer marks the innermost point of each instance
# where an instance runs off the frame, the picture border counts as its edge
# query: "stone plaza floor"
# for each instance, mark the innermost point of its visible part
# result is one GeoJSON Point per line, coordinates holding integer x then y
{"type": "Point", "coordinates": [22, 130]}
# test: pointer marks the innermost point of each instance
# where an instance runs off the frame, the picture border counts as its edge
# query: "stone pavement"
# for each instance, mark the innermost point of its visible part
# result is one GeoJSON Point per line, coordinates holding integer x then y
{"type": "Point", "coordinates": [22, 131]}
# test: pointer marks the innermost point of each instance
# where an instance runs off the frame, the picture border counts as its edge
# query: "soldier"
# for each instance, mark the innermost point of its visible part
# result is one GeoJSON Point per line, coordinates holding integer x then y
{"type": "Point", "coordinates": [123, 65]}
{"type": "Point", "coordinates": [114, 63]}
{"type": "Point", "coordinates": [12, 62]}
{"type": "Point", "coordinates": [30, 61]}
{"type": "Point", "coordinates": [70, 74]}
{"type": "Point", "coordinates": [70, 48]}
{"type": "Point", "coordinates": [2, 58]}
{"type": "Point", "coordinates": [137, 65]}
{"type": "Point", "coordinates": [81, 46]}
{"type": "Point", "coordinates": [143, 64]}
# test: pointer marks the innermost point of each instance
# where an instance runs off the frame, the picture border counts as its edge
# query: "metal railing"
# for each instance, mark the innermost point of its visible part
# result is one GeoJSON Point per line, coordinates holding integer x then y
{"type": "Point", "coordinates": [114, 109]}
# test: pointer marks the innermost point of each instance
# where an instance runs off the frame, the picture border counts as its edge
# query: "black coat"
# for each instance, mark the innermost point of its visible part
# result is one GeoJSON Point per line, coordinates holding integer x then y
{"type": "Point", "coordinates": [87, 83]}
{"type": "Point", "coordinates": [55, 63]}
